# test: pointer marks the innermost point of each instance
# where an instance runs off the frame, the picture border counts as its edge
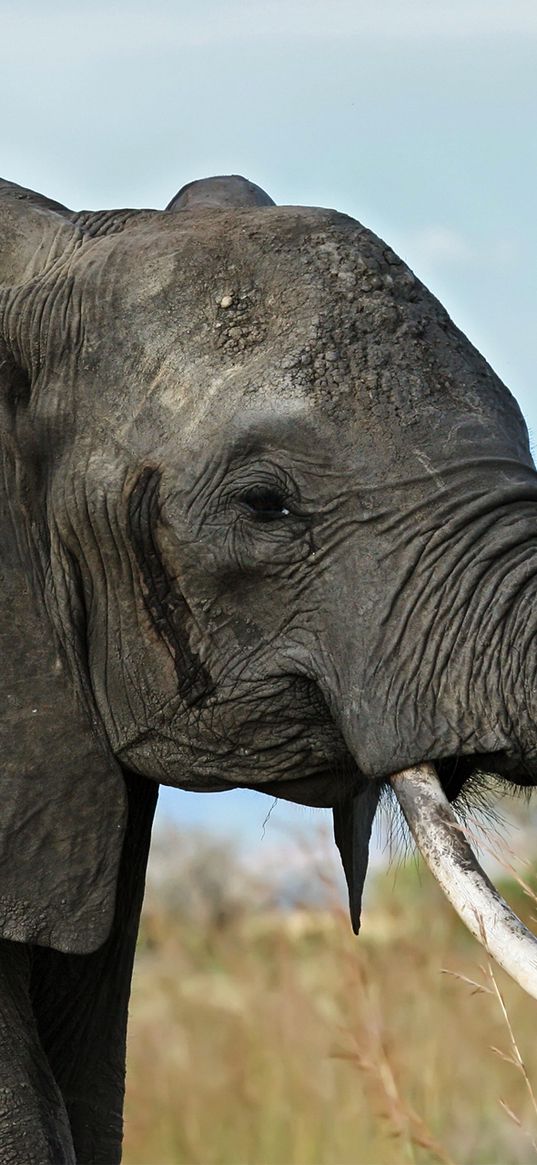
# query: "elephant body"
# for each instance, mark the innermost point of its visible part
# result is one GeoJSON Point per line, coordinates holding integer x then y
{"type": "Point", "coordinates": [267, 519]}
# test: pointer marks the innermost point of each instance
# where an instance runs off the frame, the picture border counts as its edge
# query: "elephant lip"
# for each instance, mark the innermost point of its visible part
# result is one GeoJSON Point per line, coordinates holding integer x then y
{"type": "Point", "coordinates": [321, 790]}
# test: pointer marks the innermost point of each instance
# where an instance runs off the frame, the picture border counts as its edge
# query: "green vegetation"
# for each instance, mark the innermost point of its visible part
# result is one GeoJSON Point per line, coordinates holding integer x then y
{"type": "Point", "coordinates": [268, 1037]}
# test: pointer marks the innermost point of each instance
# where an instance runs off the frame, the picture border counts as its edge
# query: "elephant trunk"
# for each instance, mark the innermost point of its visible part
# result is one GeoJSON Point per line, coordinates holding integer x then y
{"type": "Point", "coordinates": [442, 843]}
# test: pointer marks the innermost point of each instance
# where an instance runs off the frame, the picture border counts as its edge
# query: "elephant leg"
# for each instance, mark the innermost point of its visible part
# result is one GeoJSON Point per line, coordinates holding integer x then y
{"type": "Point", "coordinates": [34, 1127]}
{"type": "Point", "coordinates": [81, 1002]}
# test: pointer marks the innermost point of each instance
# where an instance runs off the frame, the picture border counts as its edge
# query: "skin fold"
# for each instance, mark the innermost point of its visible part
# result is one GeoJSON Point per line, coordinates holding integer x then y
{"type": "Point", "coordinates": [267, 520]}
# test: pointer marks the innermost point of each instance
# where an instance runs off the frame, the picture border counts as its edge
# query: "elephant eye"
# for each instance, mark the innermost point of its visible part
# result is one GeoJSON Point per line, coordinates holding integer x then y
{"type": "Point", "coordinates": [266, 504]}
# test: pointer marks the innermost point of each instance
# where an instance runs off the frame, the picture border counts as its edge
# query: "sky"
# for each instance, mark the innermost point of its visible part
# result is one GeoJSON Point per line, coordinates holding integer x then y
{"type": "Point", "coordinates": [415, 116]}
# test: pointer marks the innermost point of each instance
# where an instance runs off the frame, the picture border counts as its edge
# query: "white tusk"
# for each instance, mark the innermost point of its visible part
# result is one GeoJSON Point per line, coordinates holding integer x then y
{"type": "Point", "coordinates": [441, 841]}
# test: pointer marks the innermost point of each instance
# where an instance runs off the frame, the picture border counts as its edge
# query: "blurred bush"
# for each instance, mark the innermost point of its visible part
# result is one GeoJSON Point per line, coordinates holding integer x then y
{"type": "Point", "coordinates": [263, 1032]}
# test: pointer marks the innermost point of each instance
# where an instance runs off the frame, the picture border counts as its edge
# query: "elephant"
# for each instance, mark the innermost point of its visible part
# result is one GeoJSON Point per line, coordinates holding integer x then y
{"type": "Point", "coordinates": [267, 520]}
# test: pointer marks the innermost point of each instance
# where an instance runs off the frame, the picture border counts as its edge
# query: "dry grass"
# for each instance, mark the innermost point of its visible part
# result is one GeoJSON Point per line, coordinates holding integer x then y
{"type": "Point", "coordinates": [262, 1037]}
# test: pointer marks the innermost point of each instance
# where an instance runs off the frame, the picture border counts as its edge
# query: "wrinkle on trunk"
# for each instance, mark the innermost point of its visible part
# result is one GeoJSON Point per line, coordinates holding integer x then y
{"type": "Point", "coordinates": [443, 662]}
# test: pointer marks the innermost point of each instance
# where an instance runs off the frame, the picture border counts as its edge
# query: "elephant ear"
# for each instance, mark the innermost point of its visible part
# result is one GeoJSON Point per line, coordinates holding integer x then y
{"type": "Point", "coordinates": [62, 801]}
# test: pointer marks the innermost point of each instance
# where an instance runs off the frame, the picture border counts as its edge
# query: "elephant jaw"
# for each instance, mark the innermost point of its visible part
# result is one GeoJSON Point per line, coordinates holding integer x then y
{"type": "Point", "coordinates": [442, 843]}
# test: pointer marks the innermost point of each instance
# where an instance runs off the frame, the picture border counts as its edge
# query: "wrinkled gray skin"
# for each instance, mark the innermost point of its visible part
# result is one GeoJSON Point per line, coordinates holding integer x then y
{"type": "Point", "coordinates": [267, 519]}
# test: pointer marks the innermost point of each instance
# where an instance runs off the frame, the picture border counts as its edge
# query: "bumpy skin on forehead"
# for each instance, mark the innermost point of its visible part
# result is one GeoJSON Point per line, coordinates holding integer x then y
{"type": "Point", "coordinates": [350, 323]}
{"type": "Point", "coordinates": [274, 305]}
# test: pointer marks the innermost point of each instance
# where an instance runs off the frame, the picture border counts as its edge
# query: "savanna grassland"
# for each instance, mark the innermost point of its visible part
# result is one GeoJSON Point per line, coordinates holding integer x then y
{"type": "Point", "coordinates": [268, 1036]}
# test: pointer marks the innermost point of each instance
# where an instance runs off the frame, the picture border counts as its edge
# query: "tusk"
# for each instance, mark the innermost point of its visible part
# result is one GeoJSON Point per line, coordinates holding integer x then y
{"type": "Point", "coordinates": [442, 843]}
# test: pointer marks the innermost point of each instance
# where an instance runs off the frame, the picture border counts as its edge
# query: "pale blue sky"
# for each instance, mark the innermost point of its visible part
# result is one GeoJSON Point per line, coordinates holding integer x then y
{"type": "Point", "coordinates": [415, 116]}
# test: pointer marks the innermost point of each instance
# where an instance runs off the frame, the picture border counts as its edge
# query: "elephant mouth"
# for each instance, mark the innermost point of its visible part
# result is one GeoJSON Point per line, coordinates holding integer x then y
{"type": "Point", "coordinates": [462, 778]}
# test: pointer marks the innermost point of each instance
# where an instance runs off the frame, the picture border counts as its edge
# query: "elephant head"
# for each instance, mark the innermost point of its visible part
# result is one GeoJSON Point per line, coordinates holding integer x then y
{"type": "Point", "coordinates": [268, 520]}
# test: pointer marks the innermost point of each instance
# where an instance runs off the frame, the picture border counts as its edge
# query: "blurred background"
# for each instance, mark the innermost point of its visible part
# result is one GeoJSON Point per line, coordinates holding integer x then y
{"type": "Point", "coordinates": [418, 118]}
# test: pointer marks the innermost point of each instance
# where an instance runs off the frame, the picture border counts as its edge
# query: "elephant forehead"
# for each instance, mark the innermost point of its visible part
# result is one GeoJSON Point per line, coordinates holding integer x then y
{"type": "Point", "coordinates": [230, 268]}
{"type": "Point", "coordinates": [310, 294]}
{"type": "Point", "coordinates": [313, 284]}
